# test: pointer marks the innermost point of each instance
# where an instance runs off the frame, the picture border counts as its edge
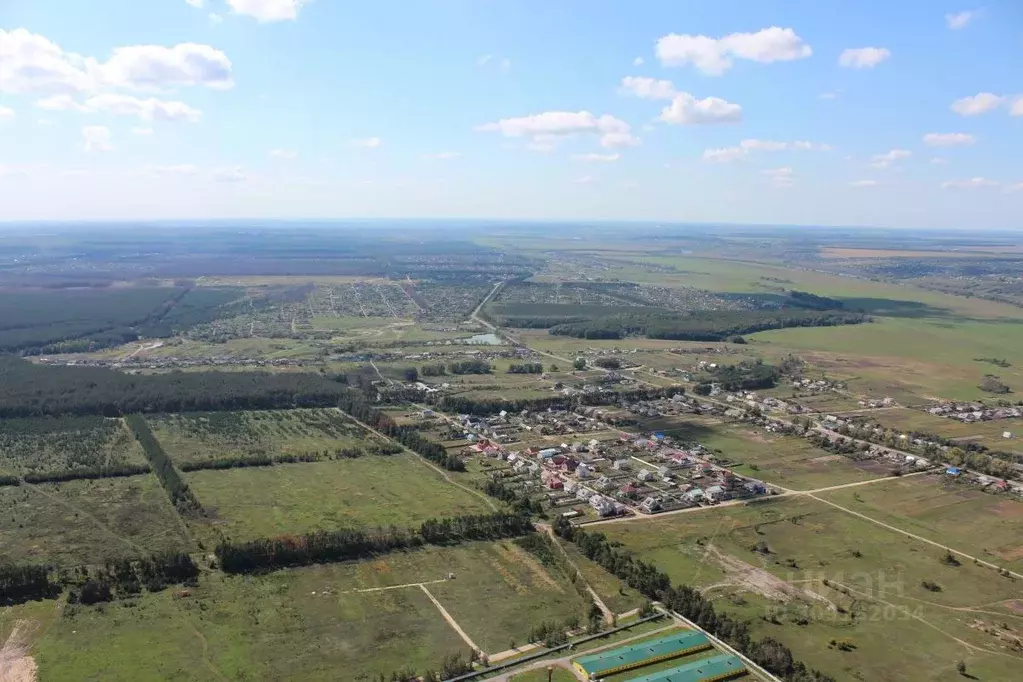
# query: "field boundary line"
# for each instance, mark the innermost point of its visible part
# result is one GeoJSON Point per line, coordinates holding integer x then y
{"type": "Point", "coordinates": [393, 587]}
{"type": "Point", "coordinates": [609, 615]}
{"type": "Point", "coordinates": [451, 621]}
{"type": "Point", "coordinates": [917, 537]}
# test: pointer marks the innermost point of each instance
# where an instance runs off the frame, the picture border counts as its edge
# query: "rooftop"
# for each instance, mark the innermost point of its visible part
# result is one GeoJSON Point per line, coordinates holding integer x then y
{"type": "Point", "coordinates": [714, 668]}
{"type": "Point", "coordinates": [635, 653]}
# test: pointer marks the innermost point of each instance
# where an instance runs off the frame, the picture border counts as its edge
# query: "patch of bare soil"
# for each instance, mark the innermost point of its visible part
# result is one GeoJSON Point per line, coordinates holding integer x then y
{"type": "Point", "coordinates": [15, 663]}
{"type": "Point", "coordinates": [516, 554]}
{"type": "Point", "coordinates": [748, 577]}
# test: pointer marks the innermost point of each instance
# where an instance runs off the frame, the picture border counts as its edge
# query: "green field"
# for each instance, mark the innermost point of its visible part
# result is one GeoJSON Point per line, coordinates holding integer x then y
{"type": "Point", "coordinates": [89, 521]}
{"type": "Point", "coordinates": [53, 444]}
{"type": "Point", "coordinates": [299, 498]}
{"type": "Point", "coordinates": [882, 571]}
{"type": "Point", "coordinates": [205, 436]}
{"type": "Point", "coordinates": [311, 623]}
{"type": "Point", "coordinates": [979, 523]}
{"type": "Point", "coordinates": [788, 461]}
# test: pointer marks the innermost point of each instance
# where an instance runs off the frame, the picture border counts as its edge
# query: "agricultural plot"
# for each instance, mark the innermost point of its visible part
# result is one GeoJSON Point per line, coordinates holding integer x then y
{"type": "Point", "coordinates": [787, 461]}
{"type": "Point", "coordinates": [50, 445]}
{"type": "Point", "coordinates": [979, 523]}
{"type": "Point", "coordinates": [988, 433]}
{"type": "Point", "coordinates": [299, 498]}
{"type": "Point", "coordinates": [311, 623]}
{"type": "Point", "coordinates": [768, 561]}
{"type": "Point", "coordinates": [91, 521]}
{"type": "Point", "coordinates": [210, 436]}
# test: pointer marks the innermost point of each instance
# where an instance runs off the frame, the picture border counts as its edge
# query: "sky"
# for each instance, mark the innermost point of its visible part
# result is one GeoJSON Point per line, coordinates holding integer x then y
{"type": "Point", "coordinates": [816, 112]}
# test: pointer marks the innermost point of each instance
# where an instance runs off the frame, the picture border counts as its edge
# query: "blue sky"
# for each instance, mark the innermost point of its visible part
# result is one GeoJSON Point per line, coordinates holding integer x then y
{"type": "Point", "coordinates": [902, 114]}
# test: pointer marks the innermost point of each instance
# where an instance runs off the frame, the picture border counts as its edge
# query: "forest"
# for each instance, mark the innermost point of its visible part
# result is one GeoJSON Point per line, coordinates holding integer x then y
{"type": "Point", "coordinates": [39, 390]}
{"type": "Point", "coordinates": [747, 375]}
{"type": "Point", "coordinates": [482, 407]}
{"type": "Point", "coordinates": [719, 325]}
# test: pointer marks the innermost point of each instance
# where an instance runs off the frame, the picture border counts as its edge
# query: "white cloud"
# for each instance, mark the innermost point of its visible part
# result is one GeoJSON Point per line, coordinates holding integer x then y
{"type": "Point", "coordinates": [959, 20]}
{"type": "Point", "coordinates": [6, 112]}
{"type": "Point", "coordinates": [484, 60]}
{"type": "Point", "coordinates": [764, 145]}
{"type": "Point", "coordinates": [687, 110]}
{"type": "Point", "coordinates": [863, 57]}
{"type": "Point", "coordinates": [748, 145]}
{"type": "Point", "coordinates": [864, 183]}
{"type": "Point", "coordinates": [548, 128]}
{"type": "Point", "coordinates": [268, 10]}
{"type": "Point", "coordinates": [285, 154]}
{"type": "Point", "coordinates": [647, 88]}
{"type": "Point", "coordinates": [980, 103]}
{"type": "Point", "coordinates": [142, 131]}
{"type": "Point", "coordinates": [367, 142]}
{"type": "Point", "coordinates": [780, 177]}
{"type": "Point", "coordinates": [195, 3]}
{"type": "Point", "coordinates": [638, 61]}
{"type": "Point", "coordinates": [33, 63]}
{"type": "Point", "coordinates": [1017, 107]}
{"type": "Point", "coordinates": [597, 158]}
{"type": "Point", "coordinates": [725, 154]}
{"type": "Point", "coordinates": [948, 139]}
{"type": "Point", "coordinates": [147, 67]}
{"type": "Point", "coordinates": [150, 109]}
{"type": "Point", "coordinates": [584, 180]}
{"type": "Point", "coordinates": [504, 63]}
{"type": "Point", "coordinates": [215, 18]}
{"type": "Point", "coordinates": [235, 174]}
{"type": "Point", "coordinates": [938, 161]}
{"type": "Point", "coordinates": [444, 156]}
{"type": "Point", "coordinates": [828, 95]}
{"type": "Point", "coordinates": [179, 169]}
{"type": "Point", "coordinates": [972, 183]}
{"type": "Point", "coordinates": [96, 139]}
{"type": "Point", "coordinates": [888, 158]}
{"type": "Point", "coordinates": [1018, 187]}
{"type": "Point", "coordinates": [714, 56]}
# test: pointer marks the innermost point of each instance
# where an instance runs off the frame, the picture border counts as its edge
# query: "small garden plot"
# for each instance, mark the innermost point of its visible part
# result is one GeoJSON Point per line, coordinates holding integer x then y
{"type": "Point", "coordinates": [206, 436]}
{"type": "Point", "coordinates": [299, 498]}
{"type": "Point", "coordinates": [91, 521]}
{"type": "Point", "coordinates": [50, 445]}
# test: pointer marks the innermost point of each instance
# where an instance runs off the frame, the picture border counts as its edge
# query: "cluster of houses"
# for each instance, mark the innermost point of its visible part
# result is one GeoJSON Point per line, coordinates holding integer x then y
{"type": "Point", "coordinates": [173, 362]}
{"type": "Point", "coordinates": [625, 475]}
{"type": "Point", "coordinates": [975, 412]}
{"type": "Point", "coordinates": [815, 386]}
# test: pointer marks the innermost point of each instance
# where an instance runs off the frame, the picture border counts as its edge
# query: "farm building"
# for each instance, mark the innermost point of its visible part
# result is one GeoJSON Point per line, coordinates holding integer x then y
{"type": "Point", "coordinates": [712, 669]}
{"type": "Point", "coordinates": [635, 656]}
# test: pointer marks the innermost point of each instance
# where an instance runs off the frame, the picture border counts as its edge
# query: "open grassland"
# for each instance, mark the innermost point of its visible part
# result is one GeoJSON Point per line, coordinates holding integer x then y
{"type": "Point", "coordinates": [787, 461]}
{"type": "Point", "coordinates": [89, 521]}
{"type": "Point", "coordinates": [875, 576]}
{"type": "Point", "coordinates": [842, 252]}
{"type": "Point", "coordinates": [312, 623]}
{"type": "Point", "coordinates": [48, 445]}
{"type": "Point", "coordinates": [204, 436]}
{"type": "Point", "coordinates": [979, 523]}
{"type": "Point", "coordinates": [299, 498]}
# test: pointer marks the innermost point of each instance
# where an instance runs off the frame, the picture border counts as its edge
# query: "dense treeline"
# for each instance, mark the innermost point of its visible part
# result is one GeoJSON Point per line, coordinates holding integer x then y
{"type": "Point", "coordinates": [127, 577]}
{"type": "Point", "coordinates": [470, 367]}
{"type": "Point", "coordinates": [355, 404]}
{"type": "Point", "coordinates": [21, 583]}
{"type": "Point", "coordinates": [180, 494]}
{"type": "Point", "coordinates": [481, 407]}
{"type": "Point", "coordinates": [196, 306]}
{"type": "Point", "coordinates": [656, 585]}
{"type": "Point", "coordinates": [608, 363]}
{"type": "Point", "coordinates": [350, 543]}
{"type": "Point", "coordinates": [88, 474]}
{"type": "Point", "coordinates": [433, 370]}
{"type": "Point", "coordinates": [451, 666]}
{"type": "Point", "coordinates": [520, 500]}
{"type": "Point", "coordinates": [805, 299]}
{"type": "Point", "coordinates": [6, 480]}
{"type": "Point", "coordinates": [123, 578]}
{"type": "Point", "coordinates": [747, 375]}
{"type": "Point", "coordinates": [525, 368]}
{"type": "Point", "coordinates": [716, 325]}
{"type": "Point", "coordinates": [37, 390]}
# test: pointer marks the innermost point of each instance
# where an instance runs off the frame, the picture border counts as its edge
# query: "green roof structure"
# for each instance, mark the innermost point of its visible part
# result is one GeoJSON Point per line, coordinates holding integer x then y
{"type": "Point", "coordinates": [712, 669]}
{"type": "Point", "coordinates": [643, 653]}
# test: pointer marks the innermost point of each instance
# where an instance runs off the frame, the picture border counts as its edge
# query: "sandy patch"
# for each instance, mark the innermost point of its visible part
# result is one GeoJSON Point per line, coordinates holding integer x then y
{"type": "Point", "coordinates": [748, 577]}
{"type": "Point", "coordinates": [15, 663]}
